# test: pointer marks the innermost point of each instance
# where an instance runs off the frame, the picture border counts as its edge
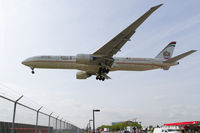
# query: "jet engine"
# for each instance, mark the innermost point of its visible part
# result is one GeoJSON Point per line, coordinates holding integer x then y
{"type": "Point", "coordinates": [82, 75]}
{"type": "Point", "coordinates": [84, 58]}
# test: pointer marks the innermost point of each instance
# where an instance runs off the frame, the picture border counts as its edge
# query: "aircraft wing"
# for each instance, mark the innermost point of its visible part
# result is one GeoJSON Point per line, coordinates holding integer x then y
{"type": "Point", "coordinates": [114, 45]}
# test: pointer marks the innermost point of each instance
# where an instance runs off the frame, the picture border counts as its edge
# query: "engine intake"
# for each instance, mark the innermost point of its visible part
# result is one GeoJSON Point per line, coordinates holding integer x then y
{"type": "Point", "coordinates": [84, 58]}
{"type": "Point", "coordinates": [82, 75]}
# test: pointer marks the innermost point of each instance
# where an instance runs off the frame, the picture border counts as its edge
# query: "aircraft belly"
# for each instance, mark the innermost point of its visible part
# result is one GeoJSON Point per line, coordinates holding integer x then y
{"type": "Point", "coordinates": [133, 67]}
{"type": "Point", "coordinates": [92, 69]}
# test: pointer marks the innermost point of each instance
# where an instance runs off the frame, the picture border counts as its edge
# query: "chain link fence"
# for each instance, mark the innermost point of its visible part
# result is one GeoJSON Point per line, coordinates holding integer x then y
{"type": "Point", "coordinates": [20, 118]}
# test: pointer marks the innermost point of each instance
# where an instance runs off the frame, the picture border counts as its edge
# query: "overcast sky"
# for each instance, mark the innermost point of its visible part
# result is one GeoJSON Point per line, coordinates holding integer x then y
{"type": "Point", "coordinates": [68, 27]}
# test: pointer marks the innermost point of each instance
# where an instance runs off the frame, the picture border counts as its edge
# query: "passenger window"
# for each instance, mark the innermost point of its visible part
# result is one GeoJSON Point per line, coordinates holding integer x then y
{"type": "Point", "coordinates": [63, 58]}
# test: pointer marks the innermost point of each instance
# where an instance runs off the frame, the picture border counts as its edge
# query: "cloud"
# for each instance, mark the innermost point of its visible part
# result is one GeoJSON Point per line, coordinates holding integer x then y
{"type": "Point", "coordinates": [179, 27]}
{"type": "Point", "coordinates": [172, 30]}
{"type": "Point", "coordinates": [157, 98]}
{"type": "Point", "coordinates": [177, 111]}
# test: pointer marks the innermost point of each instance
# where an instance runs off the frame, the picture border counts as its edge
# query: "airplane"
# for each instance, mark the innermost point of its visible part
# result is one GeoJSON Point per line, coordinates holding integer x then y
{"type": "Point", "coordinates": [101, 62]}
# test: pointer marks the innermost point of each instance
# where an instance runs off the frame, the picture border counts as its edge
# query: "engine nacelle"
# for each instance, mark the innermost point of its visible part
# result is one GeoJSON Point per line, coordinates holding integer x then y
{"type": "Point", "coordinates": [84, 58]}
{"type": "Point", "coordinates": [82, 75]}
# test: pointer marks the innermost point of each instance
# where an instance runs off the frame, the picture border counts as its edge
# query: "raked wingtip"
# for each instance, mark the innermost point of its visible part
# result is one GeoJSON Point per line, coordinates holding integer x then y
{"type": "Point", "coordinates": [156, 7]}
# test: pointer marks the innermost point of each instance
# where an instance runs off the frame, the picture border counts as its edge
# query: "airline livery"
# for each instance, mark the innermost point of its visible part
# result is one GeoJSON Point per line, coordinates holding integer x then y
{"type": "Point", "coordinates": [101, 62]}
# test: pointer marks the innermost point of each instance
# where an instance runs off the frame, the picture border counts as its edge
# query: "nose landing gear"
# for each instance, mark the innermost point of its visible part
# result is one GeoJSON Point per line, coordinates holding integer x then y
{"type": "Point", "coordinates": [32, 70]}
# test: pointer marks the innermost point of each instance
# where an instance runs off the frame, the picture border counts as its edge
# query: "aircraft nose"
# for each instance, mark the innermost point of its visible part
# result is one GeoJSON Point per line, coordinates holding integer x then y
{"type": "Point", "coordinates": [24, 62]}
{"type": "Point", "coordinates": [28, 61]}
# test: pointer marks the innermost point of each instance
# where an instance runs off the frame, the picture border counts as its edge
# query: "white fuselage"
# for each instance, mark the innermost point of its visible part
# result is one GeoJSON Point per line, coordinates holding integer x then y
{"type": "Point", "coordinates": [69, 62]}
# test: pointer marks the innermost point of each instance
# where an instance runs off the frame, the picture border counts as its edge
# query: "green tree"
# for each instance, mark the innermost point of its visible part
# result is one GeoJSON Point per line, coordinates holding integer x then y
{"type": "Point", "coordinates": [121, 126]}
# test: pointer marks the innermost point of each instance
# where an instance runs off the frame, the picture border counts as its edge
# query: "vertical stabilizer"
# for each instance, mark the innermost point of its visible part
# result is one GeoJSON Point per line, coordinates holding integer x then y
{"type": "Point", "coordinates": [167, 52]}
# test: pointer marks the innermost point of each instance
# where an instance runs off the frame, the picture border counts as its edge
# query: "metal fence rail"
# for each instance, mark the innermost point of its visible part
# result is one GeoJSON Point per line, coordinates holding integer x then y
{"type": "Point", "coordinates": [55, 124]}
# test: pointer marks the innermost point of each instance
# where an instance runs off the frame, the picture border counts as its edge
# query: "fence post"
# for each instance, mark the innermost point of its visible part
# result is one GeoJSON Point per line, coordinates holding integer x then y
{"type": "Point", "coordinates": [64, 124]}
{"type": "Point", "coordinates": [36, 126]}
{"type": "Point", "coordinates": [13, 122]}
{"type": "Point", "coordinates": [60, 124]}
{"type": "Point", "coordinates": [67, 126]}
{"type": "Point", "coordinates": [49, 122]}
{"type": "Point", "coordinates": [56, 123]}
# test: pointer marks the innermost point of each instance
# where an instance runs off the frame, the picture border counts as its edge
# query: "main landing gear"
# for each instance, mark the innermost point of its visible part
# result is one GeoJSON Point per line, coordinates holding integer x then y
{"type": "Point", "coordinates": [100, 78]}
{"type": "Point", "coordinates": [32, 70]}
{"type": "Point", "coordinates": [100, 72]}
{"type": "Point", "coordinates": [103, 70]}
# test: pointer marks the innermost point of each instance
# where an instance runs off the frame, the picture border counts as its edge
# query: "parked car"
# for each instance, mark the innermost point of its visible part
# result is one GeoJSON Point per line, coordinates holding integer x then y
{"type": "Point", "coordinates": [165, 130]}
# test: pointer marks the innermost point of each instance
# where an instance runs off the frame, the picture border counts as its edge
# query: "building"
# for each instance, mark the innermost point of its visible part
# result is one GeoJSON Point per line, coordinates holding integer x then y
{"type": "Point", "coordinates": [191, 126]}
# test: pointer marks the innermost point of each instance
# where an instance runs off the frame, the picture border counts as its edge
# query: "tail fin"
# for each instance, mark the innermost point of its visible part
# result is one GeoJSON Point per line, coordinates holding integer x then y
{"type": "Point", "coordinates": [167, 52]}
{"type": "Point", "coordinates": [176, 58]}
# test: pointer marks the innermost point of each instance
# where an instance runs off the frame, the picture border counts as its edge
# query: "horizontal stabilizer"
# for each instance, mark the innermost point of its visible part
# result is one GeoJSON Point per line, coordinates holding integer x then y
{"type": "Point", "coordinates": [176, 58]}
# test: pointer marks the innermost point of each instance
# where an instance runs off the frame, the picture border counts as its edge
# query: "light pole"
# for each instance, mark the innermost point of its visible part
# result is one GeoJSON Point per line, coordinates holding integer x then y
{"type": "Point", "coordinates": [94, 110]}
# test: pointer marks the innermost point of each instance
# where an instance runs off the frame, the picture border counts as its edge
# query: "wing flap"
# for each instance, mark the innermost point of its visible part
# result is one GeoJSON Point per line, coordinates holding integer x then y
{"type": "Point", "coordinates": [106, 76]}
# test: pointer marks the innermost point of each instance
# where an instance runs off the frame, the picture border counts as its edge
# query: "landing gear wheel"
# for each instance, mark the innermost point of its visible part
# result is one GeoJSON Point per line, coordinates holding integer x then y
{"type": "Point", "coordinates": [33, 72]}
{"type": "Point", "coordinates": [107, 71]}
{"type": "Point", "coordinates": [100, 77]}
